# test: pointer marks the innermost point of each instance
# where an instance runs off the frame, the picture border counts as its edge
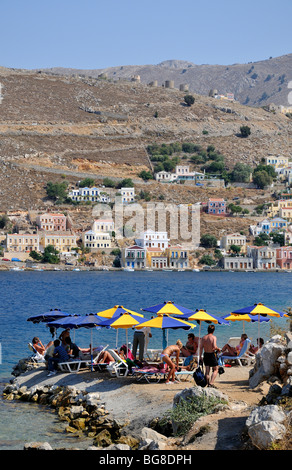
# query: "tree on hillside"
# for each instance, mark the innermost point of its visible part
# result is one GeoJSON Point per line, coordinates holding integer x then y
{"type": "Point", "coordinates": [189, 100]}
{"type": "Point", "coordinates": [245, 131]}
{"type": "Point", "coordinates": [241, 173]}
{"type": "Point", "coordinates": [262, 179]}
{"type": "Point", "coordinates": [208, 241]}
{"type": "Point", "coordinates": [57, 191]}
{"type": "Point", "coordinates": [86, 183]}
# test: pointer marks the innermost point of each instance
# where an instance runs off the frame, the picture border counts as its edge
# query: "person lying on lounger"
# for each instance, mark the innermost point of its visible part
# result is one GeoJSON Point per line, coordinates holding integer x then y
{"type": "Point", "coordinates": [232, 351]}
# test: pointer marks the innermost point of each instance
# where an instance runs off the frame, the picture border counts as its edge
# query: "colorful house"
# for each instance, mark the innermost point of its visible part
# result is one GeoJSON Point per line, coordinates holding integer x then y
{"type": "Point", "coordinates": [178, 257]}
{"type": "Point", "coordinates": [284, 257]}
{"type": "Point", "coordinates": [216, 206]}
{"type": "Point", "coordinates": [135, 257]}
{"type": "Point", "coordinates": [22, 243]}
{"type": "Point", "coordinates": [51, 222]}
{"type": "Point", "coordinates": [61, 241]}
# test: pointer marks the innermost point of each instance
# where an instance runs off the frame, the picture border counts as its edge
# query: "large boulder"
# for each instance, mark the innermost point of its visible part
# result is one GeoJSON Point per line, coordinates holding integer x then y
{"type": "Point", "coordinates": [266, 361]}
{"type": "Point", "coordinates": [265, 425]}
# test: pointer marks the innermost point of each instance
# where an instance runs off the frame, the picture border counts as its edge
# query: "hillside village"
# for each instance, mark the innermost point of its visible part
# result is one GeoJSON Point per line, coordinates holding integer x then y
{"type": "Point", "coordinates": [75, 149]}
{"type": "Point", "coordinates": [50, 240]}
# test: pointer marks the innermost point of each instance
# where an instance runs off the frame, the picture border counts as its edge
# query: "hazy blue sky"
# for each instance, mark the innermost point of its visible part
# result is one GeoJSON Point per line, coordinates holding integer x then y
{"type": "Point", "coordinates": [103, 33]}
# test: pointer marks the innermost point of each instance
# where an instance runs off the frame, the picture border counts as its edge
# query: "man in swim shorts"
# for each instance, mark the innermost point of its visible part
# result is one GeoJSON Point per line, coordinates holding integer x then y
{"type": "Point", "coordinates": [209, 345]}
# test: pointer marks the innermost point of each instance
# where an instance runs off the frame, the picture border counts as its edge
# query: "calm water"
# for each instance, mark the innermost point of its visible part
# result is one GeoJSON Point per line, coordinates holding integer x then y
{"type": "Point", "coordinates": [27, 293]}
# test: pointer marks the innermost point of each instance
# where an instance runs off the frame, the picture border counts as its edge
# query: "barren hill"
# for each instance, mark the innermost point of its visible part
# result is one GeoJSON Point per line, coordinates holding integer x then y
{"type": "Point", "coordinates": [255, 83]}
{"type": "Point", "coordinates": [55, 127]}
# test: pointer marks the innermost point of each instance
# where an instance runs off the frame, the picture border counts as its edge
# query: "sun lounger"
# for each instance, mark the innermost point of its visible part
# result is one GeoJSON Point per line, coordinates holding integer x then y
{"type": "Point", "coordinates": [36, 356]}
{"type": "Point", "coordinates": [183, 373]}
{"type": "Point", "coordinates": [244, 354]}
{"type": "Point", "coordinates": [74, 365]}
{"type": "Point", "coordinates": [149, 372]}
{"type": "Point", "coordinates": [119, 367]}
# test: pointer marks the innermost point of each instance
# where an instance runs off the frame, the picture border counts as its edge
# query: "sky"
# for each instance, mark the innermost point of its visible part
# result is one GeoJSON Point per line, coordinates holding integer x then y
{"type": "Point", "coordinates": [96, 34]}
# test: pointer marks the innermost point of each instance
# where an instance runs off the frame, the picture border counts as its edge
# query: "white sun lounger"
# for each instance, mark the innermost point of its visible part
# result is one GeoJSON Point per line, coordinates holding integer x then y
{"type": "Point", "coordinates": [244, 354]}
{"type": "Point", "coordinates": [119, 367]}
{"type": "Point", "coordinates": [74, 365]}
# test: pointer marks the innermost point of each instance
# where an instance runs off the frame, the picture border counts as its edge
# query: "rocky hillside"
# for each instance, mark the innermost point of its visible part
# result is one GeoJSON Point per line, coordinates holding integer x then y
{"type": "Point", "coordinates": [254, 83]}
{"type": "Point", "coordinates": [56, 127]}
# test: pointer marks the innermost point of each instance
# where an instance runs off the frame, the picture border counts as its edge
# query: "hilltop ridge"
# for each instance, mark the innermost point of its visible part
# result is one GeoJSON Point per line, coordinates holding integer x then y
{"type": "Point", "coordinates": [63, 126]}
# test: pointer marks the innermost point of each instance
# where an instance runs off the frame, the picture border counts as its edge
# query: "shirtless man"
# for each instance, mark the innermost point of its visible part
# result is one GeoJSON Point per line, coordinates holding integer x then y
{"type": "Point", "coordinates": [165, 356]}
{"type": "Point", "coordinates": [209, 346]}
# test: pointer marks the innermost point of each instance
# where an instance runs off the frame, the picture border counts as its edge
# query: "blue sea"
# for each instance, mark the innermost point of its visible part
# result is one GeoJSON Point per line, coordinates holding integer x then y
{"type": "Point", "coordinates": [24, 294]}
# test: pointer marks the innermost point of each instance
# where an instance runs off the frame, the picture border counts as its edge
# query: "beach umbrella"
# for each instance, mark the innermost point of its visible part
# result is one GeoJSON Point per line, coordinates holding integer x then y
{"type": "Point", "coordinates": [88, 321]}
{"type": "Point", "coordinates": [165, 322]}
{"type": "Point", "coordinates": [117, 310]}
{"type": "Point", "coordinates": [203, 316]}
{"type": "Point", "coordinates": [168, 308]}
{"type": "Point", "coordinates": [259, 310]}
{"type": "Point", "coordinates": [125, 321]}
{"type": "Point", "coordinates": [245, 317]}
{"type": "Point", "coordinates": [49, 316]}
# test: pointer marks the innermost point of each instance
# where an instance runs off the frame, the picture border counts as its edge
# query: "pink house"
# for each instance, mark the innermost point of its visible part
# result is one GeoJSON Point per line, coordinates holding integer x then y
{"type": "Point", "coordinates": [216, 206]}
{"type": "Point", "coordinates": [52, 222]}
{"type": "Point", "coordinates": [284, 257]}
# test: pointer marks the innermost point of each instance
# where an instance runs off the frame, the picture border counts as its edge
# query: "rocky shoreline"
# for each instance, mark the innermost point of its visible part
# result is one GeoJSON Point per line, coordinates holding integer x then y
{"type": "Point", "coordinates": [121, 414]}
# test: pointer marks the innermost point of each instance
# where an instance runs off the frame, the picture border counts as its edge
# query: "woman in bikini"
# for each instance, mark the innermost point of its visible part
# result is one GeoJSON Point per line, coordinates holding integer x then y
{"type": "Point", "coordinates": [165, 356]}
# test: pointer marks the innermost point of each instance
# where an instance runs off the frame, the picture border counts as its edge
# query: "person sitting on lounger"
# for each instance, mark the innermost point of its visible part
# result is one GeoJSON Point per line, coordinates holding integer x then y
{"type": "Point", "coordinates": [254, 349]}
{"type": "Point", "coordinates": [232, 351]}
{"type": "Point", "coordinates": [39, 347]}
{"type": "Point", "coordinates": [165, 356]}
{"type": "Point", "coordinates": [191, 346]}
{"type": "Point", "coordinates": [105, 358]}
{"type": "Point", "coordinates": [60, 355]}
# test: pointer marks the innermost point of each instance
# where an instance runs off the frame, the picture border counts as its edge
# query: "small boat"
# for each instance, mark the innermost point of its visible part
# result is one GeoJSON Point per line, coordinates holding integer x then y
{"type": "Point", "coordinates": [180, 270]}
{"type": "Point", "coordinates": [16, 268]}
{"type": "Point", "coordinates": [166, 269]}
{"type": "Point", "coordinates": [76, 269]}
{"type": "Point", "coordinates": [195, 270]}
{"type": "Point", "coordinates": [129, 269]}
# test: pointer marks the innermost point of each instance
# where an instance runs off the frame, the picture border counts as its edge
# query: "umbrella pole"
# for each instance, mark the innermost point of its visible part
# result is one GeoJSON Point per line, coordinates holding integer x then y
{"type": "Point", "coordinates": [199, 345]}
{"type": "Point", "coordinates": [91, 350]}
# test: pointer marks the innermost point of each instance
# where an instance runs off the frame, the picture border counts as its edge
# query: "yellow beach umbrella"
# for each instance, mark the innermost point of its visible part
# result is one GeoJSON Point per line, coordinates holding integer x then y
{"type": "Point", "coordinates": [117, 310]}
{"type": "Point", "coordinates": [200, 316]}
{"type": "Point", "coordinates": [124, 320]}
{"type": "Point", "coordinates": [165, 322]}
{"type": "Point", "coordinates": [258, 310]}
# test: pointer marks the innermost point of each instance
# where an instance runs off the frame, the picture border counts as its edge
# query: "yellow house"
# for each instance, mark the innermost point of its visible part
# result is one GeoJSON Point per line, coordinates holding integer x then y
{"type": "Point", "coordinates": [61, 241]}
{"type": "Point", "coordinates": [286, 212]}
{"type": "Point", "coordinates": [24, 243]}
{"type": "Point", "coordinates": [277, 160]}
{"type": "Point", "coordinates": [153, 253]}
{"type": "Point", "coordinates": [275, 208]}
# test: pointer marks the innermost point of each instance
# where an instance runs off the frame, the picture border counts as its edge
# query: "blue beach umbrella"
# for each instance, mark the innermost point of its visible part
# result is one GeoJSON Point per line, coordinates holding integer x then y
{"type": "Point", "coordinates": [165, 322]}
{"type": "Point", "coordinates": [88, 321]}
{"type": "Point", "coordinates": [259, 310]}
{"type": "Point", "coordinates": [49, 316]}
